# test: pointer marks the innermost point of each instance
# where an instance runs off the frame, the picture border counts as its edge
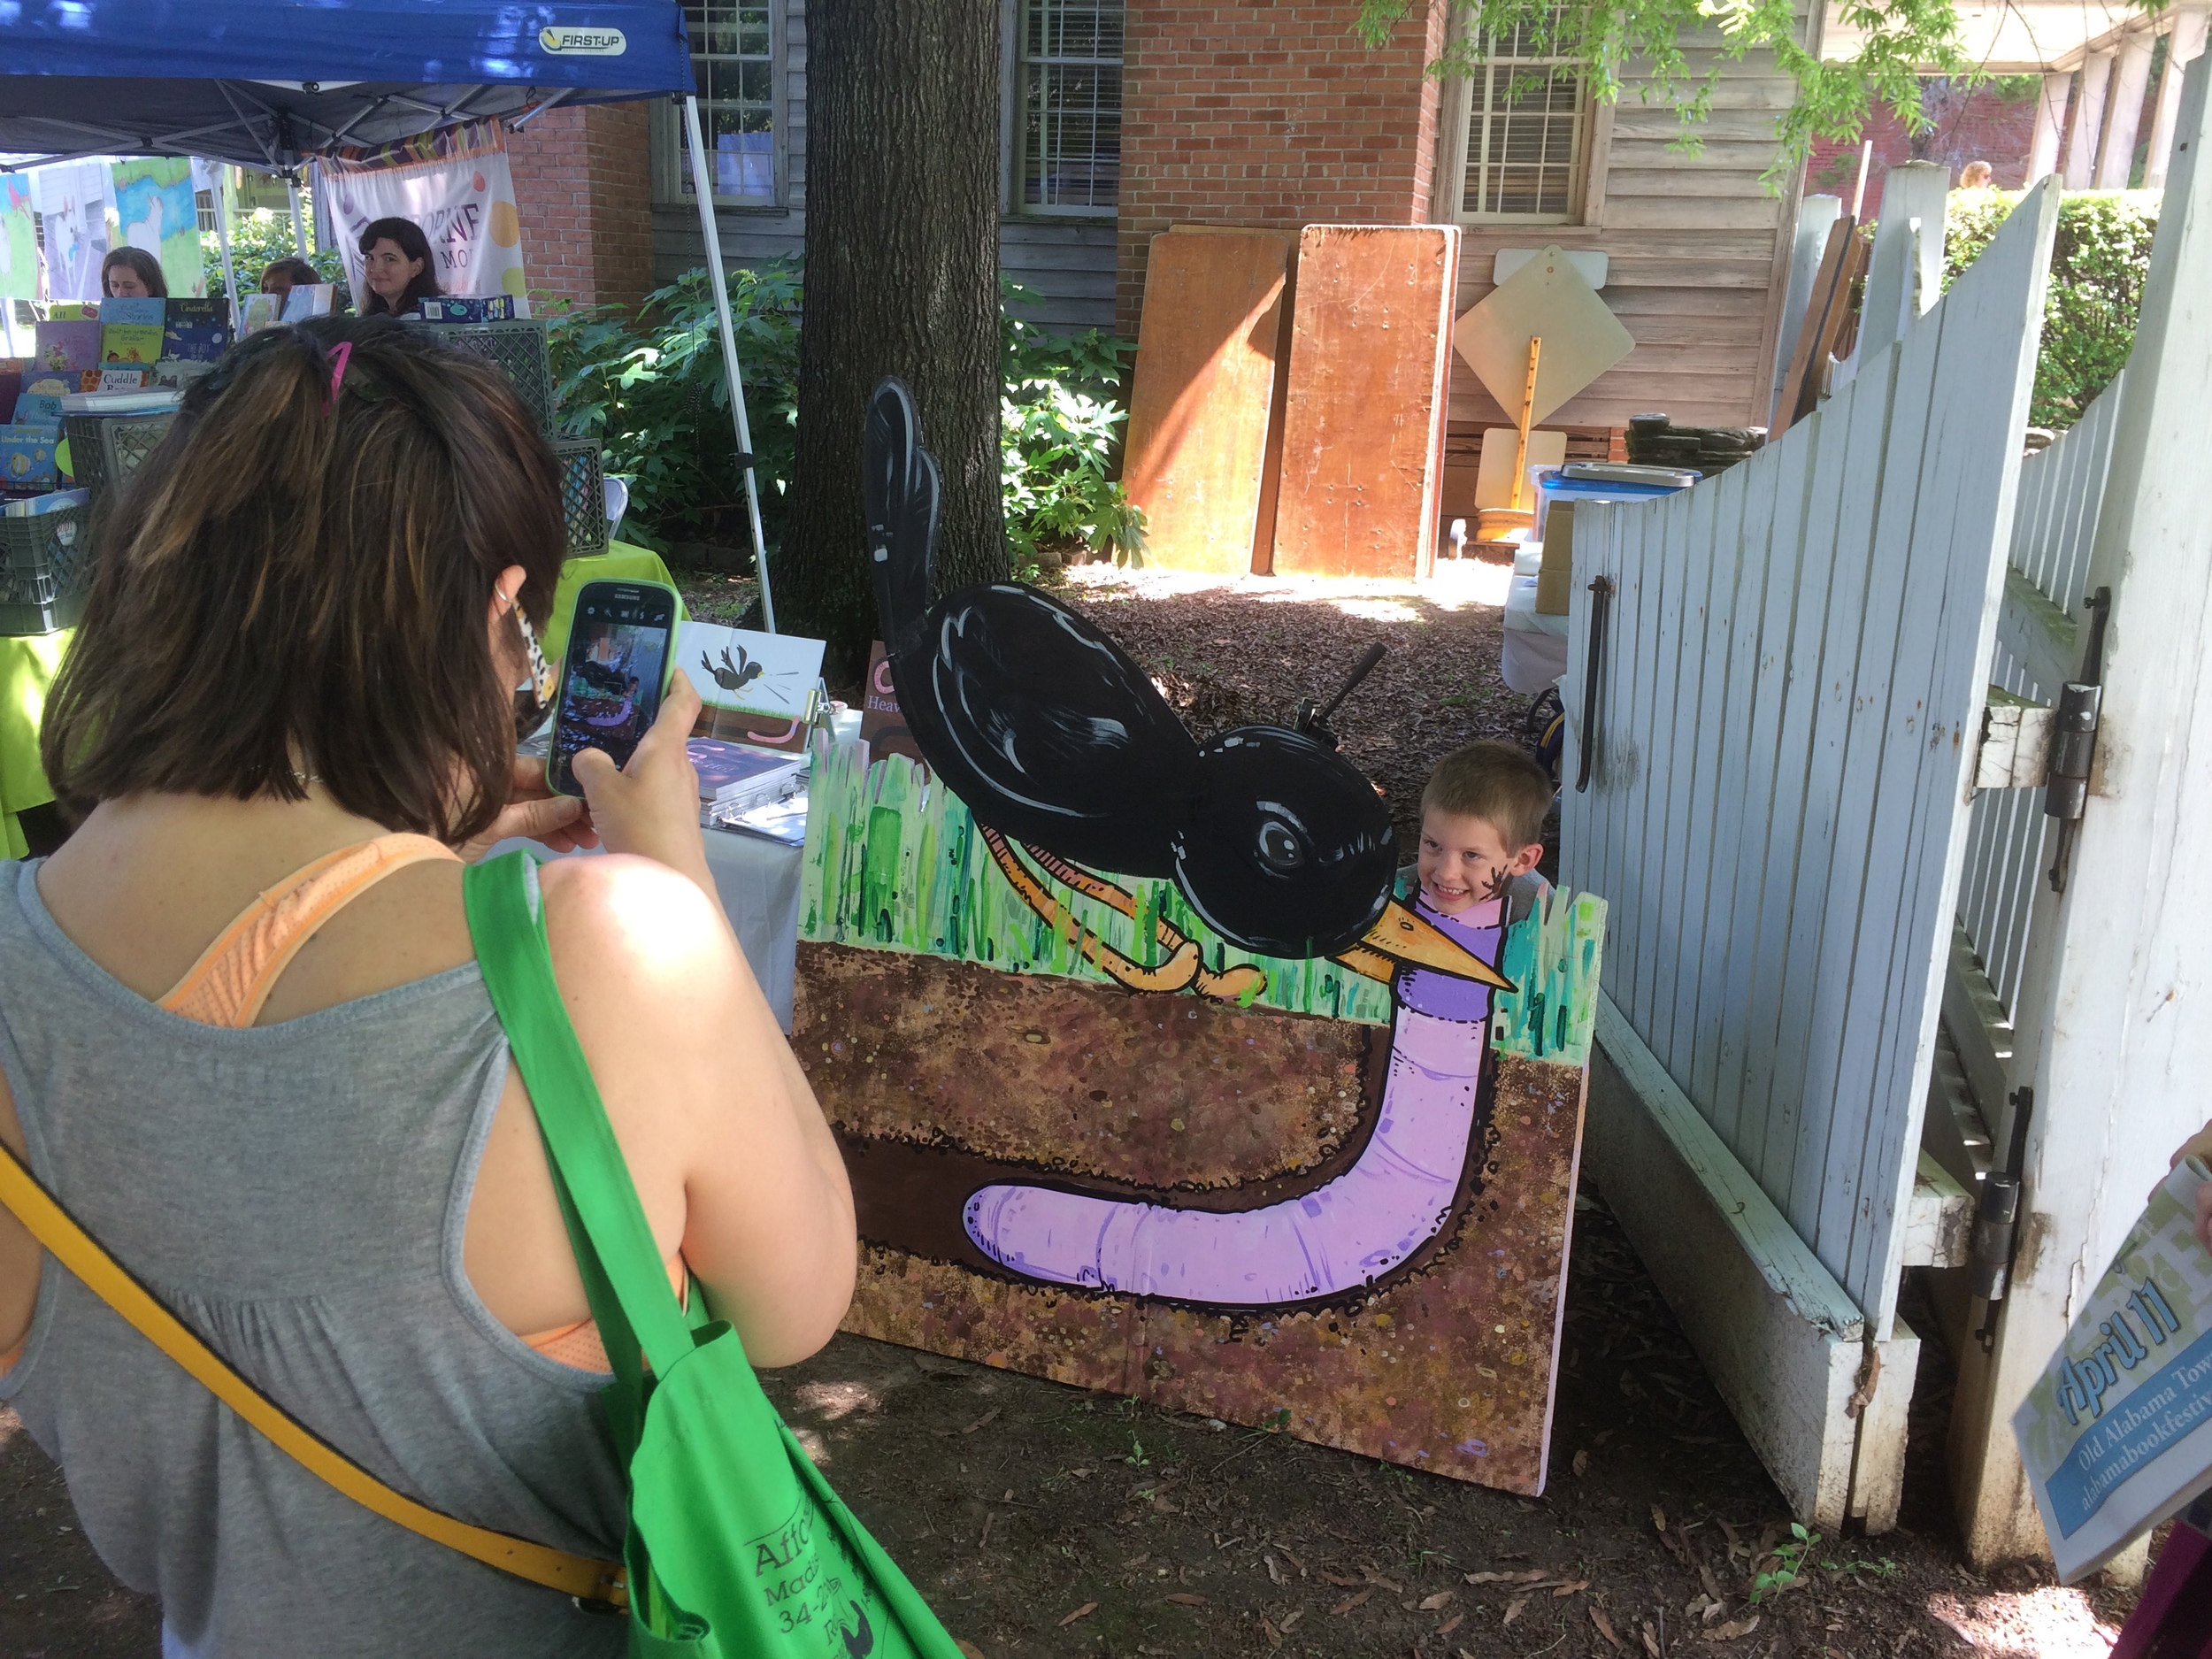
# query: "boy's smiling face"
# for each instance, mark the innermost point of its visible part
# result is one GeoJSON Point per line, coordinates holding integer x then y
{"type": "Point", "coordinates": [1465, 860]}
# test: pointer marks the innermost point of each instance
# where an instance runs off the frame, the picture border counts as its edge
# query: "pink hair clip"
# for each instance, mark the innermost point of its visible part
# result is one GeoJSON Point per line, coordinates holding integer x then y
{"type": "Point", "coordinates": [339, 358]}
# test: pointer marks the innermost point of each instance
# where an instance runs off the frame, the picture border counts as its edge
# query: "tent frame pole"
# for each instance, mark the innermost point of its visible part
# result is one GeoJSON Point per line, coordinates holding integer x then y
{"type": "Point", "coordinates": [701, 187]}
{"type": "Point", "coordinates": [299, 229]}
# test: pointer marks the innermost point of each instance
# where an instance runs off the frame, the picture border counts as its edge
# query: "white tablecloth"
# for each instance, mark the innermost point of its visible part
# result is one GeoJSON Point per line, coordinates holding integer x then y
{"type": "Point", "coordinates": [757, 881]}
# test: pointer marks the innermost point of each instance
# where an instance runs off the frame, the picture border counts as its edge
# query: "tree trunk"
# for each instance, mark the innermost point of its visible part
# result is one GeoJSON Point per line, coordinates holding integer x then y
{"type": "Point", "coordinates": [902, 278]}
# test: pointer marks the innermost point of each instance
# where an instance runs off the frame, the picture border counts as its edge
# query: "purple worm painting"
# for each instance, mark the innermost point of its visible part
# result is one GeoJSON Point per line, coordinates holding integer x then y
{"type": "Point", "coordinates": [1332, 1240]}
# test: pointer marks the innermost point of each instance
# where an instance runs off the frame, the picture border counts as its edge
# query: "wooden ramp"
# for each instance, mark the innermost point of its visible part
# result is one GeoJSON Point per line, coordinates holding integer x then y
{"type": "Point", "coordinates": [1364, 424]}
{"type": "Point", "coordinates": [1207, 354]}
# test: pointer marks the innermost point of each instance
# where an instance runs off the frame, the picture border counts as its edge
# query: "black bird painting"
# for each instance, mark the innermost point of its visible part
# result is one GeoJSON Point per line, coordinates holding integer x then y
{"type": "Point", "coordinates": [1060, 744]}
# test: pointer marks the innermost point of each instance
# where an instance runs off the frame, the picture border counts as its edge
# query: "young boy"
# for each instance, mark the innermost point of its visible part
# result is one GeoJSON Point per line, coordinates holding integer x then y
{"type": "Point", "coordinates": [1482, 825]}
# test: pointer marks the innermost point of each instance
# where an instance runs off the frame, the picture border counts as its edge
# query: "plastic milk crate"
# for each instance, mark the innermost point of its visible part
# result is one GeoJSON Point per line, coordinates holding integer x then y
{"type": "Point", "coordinates": [519, 348]}
{"type": "Point", "coordinates": [583, 494]}
{"type": "Point", "coordinates": [106, 449]}
{"type": "Point", "coordinates": [45, 564]}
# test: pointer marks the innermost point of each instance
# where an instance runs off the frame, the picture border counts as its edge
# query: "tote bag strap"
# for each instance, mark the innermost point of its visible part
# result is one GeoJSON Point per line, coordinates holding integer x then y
{"type": "Point", "coordinates": [624, 1276]}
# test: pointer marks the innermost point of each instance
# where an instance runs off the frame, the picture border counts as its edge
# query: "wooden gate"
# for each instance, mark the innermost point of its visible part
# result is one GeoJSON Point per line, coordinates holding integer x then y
{"type": "Point", "coordinates": [1787, 699]}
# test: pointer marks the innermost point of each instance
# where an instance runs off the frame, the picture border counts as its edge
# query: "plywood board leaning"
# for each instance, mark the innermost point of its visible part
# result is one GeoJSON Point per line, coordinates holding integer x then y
{"type": "Point", "coordinates": [1206, 358]}
{"type": "Point", "coordinates": [1364, 421]}
{"type": "Point", "coordinates": [1546, 298]}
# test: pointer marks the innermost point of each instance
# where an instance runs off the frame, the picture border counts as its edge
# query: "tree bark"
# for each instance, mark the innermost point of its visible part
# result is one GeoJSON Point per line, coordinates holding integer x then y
{"type": "Point", "coordinates": [902, 278]}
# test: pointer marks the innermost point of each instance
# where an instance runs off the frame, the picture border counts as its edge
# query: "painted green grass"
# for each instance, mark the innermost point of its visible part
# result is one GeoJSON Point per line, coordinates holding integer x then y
{"type": "Point", "coordinates": [896, 864]}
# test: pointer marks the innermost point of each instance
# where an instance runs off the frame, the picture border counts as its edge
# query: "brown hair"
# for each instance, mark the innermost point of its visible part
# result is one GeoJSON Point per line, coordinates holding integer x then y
{"type": "Point", "coordinates": [1500, 783]}
{"type": "Point", "coordinates": [407, 236]}
{"type": "Point", "coordinates": [297, 272]}
{"type": "Point", "coordinates": [145, 265]}
{"type": "Point", "coordinates": [287, 584]}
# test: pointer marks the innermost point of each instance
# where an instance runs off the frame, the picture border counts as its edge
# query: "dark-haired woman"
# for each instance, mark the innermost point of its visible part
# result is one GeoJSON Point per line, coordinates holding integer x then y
{"type": "Point", "coordinates": [396, 267]}
{"type": "Point", "coordinates": [303, 654]}
{"type": "Point", "coordinates": [132, 273]}
{"type": "Point", "coordinates": [283, 275]}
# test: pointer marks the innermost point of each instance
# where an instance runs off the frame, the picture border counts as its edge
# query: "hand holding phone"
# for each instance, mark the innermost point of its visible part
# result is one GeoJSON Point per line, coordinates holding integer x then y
{"type": "Point", "coordinates": [620, 648]}
{"type": "Point", "coordinates": [651, 806]}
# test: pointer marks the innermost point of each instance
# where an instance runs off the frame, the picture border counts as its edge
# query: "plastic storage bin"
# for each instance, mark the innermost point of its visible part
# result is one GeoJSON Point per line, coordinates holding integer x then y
{"type": "Point", "coordinates": [1558, 484]}
{"type": "Point", "coordinates": [583, 496]}
{"type": "Point", "coordinates": [519, 348]}
{"type": "Point", "coordinates": [105, 450]}
{"type": "Point", "coordinates": [45, 563]}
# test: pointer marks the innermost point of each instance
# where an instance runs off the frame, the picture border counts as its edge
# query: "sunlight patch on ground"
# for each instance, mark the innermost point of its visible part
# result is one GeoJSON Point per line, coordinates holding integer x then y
{"type": "Point", "coordinates": [814, 1446]}
{"type": "Point", "coordinates": [834, 1400]}
{"type": "Point", "coordinates": [2050, 1623]}
{"type": "Point", "coordinates": [1457, 584]}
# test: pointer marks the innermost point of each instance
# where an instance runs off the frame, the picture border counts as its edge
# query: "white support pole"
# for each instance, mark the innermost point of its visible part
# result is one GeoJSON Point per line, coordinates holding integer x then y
{"type": "Point", "coordinates": [701, 185]}
{"type": "Point", "coordinates": [299, 228]}
{"type": "Point", "coordinates": [222, 239]}
{"type": "Point", "coordinates": [2050, 126]}
{"type": "Point", "coordinates": [2088, 122]}
{"type": "Point", "coordinates": [2124, 112]}
{"type": "Point", "coordinates": [2182, 47]}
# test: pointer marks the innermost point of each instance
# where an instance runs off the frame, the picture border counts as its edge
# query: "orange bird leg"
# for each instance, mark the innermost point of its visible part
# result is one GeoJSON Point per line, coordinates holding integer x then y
{"type": "Point", "coordinates": [1175, 974]}
{"type": "Point", "coordinates": [1229, 986]}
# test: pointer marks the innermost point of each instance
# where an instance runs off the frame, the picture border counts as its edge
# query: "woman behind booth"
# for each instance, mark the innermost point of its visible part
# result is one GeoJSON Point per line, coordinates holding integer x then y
{"type": "Point", "coordinates": [397, 268]}
{"type": "Point", "coordinates": [132, 273]}
{"type": "Point", "coordinates": [308, 644]}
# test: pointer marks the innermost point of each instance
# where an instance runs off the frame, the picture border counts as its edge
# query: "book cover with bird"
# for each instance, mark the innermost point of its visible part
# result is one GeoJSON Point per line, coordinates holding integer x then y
{"type": "Point", "coordinates": [754, 688]}
{"type": "Point", "coordinates": [1146, 1075]}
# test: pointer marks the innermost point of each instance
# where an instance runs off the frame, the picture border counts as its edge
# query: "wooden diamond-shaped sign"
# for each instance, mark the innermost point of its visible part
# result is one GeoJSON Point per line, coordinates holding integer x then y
{"type": "Point", "coordinates": [1546, 298]}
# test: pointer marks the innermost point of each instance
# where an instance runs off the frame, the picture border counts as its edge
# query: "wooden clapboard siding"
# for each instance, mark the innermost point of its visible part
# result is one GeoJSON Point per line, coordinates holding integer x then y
{"type": "Point", "coordinates": [1691, 237]}
{"type": "Point", "coordinates": [1786, 719]}
{"type": "Point", "coordinates": [1067, 263]}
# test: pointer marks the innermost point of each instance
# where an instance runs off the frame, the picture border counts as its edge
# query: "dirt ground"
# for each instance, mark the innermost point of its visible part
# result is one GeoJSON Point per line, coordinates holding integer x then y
{"type": "Point", "coordinates": [1041, 1519]}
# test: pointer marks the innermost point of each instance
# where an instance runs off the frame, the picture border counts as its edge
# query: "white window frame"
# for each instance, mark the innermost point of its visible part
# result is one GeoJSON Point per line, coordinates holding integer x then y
{"type": "Point", "coordinates": [1013, 128]}
{"type": "Point", "coordinates": [1593, 130]}
{"type": "Point", "coordinates": [672, 173]}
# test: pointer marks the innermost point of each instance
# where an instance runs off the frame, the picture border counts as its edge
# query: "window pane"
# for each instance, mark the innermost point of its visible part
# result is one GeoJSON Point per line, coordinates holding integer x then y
{"type": "Point", "coordinates": [1524, 133]}
{"type": "Point", "coordinates": [733, 66]}
{"type": "Point", "coordinates": [1070, 154]}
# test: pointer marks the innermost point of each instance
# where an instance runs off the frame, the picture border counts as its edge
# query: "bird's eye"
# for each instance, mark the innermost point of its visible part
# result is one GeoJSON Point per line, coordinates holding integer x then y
{"type": "Point", "coordinates": [1280, 848]}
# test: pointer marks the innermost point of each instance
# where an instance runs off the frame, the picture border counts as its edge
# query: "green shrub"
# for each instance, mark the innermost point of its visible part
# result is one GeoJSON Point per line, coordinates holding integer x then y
{"type": "Point", "coordinates": [256, 243]}
{"type": "Point", "coordinates": [2102, 250]}
{"type": "Point", "coordinates": [650, 387]}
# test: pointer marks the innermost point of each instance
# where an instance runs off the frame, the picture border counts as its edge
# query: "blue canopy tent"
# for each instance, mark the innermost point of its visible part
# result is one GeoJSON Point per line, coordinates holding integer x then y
{"type": "Point", "coordinates": [267, 83]}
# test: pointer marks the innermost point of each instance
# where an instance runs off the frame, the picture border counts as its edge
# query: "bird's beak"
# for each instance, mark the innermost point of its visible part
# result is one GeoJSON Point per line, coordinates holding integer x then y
{"type": "Point", "coordinates": [1398, 938]}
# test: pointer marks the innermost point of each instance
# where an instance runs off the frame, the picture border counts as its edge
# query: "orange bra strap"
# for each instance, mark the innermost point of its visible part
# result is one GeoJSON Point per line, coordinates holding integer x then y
{"type": "Point", "coordinates": [233, 976]}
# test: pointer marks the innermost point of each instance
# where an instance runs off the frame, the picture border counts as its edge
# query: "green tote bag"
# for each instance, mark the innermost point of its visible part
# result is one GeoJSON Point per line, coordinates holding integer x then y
{"type": "Point", "coordinates": [737, 1548]}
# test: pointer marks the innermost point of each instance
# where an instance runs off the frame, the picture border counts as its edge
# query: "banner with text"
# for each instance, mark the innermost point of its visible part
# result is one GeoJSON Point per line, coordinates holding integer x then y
{"type": "Point", "coordinates": [456, 185]}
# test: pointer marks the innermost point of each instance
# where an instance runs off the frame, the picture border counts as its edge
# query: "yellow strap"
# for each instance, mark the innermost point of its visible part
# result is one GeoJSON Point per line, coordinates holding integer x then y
{"type": "Point", "coordinates": [76, 1250]}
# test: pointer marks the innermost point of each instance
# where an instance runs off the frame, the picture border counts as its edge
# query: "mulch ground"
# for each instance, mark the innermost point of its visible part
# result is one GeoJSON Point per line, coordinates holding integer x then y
{"type": "Point", "coordinates": [1047, 1520]}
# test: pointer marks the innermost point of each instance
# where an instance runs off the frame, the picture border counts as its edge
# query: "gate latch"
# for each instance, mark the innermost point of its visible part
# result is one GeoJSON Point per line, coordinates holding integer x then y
{"type": "Point", "coordinates": [2074, 742]}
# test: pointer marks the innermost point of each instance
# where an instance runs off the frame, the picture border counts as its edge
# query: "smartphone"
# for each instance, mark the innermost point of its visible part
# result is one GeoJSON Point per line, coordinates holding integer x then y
{"type": "Point", "coordinates": [620, 654]}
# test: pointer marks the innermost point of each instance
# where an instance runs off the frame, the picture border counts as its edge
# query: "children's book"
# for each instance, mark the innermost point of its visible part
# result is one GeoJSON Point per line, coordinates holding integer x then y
{"type": "Point", "coordinates": [69, 346]}
{"type": "Point", "coordinates": [39, 409]}
{"type": "Point", "coordinates": [26, 455]}
{"type": "Point", "coordinates": [51, 501]}
{"type": "Point", "coordinates": [260, 312]}
{"type": "Point", "coordinates": [493, 308]}
{"type": "Point", "coordinates": [196, 330]}
{"type": "Point", "coordinates": [2116, 1435]}
{"type": "Point", "coordinates": [739, 777]}
{"type": "Point", "coordinates": [74, 311]}
{"type": "Point", "coordinates": [130, 342]}
{"type": "Point", "coordinates": [157, 400]}
{"type": "Point", "coordinates": [757, 688]}
{"type": "Point", "coordinates": [310, 299]}
{"type": "Point", "coordinates": [133, 313]}
{"type": "Point", "coordinates": [181, 371]}
{"type": "Point", "coordinates": [114, 378]}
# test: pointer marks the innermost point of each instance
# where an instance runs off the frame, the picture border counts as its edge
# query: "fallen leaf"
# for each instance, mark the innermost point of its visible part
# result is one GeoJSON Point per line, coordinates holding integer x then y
{"type": "Point", "coordinates": [1513, 1611]}
{"type": "Point", "coordinates": [1085, 1611]}
{"type": "Point", "coordinates": [1274, 1572]}
{"type": "Point", "coordinates": [1534, 1577]}
{"type": "Point", "coordinates": [1341, 1583]}
{"type": "Point", "coordinates": [1582, 1463]}
{"type": "Point", "coordinates": [1384, 1584]}
{"type": "Point", "coordinates": [1711, 1584]}
{"type": "Point", "coordinates": [1295, 1615]}
{"type": "Point", "coordinates": [1659, 1519]}
{"type": "Point", "coordinates": [1349, 1602]}
{"type": "Point", "coordinates": [1442, 1598]}
{"type": "Point", "coordinates": [1184, 1598]}
{"type": "Point", "coordinates": [968, 1649]}
{"type": "Point", "coordinates": [1605, 1627]}
{"type": "Point", "coordinates": [1566, 1590]}
{"type": "Point", "coordinates": [1081, 1474]}
{"type": "Point", "coordinates": [1733, 1629]}
{"type": "Point", "coordinates": [1651, 1641]}
{"type": "Point", "coordinates": [983, 1422]}
{"type": "Point", "coordinates": [1138, 1560]}
{"type": "Point", "coordinates": [1294, 1562]}
{"type": "Point", "coordinates": [1451, 1625]}
{"type": "Point", "coordinates": [1274, 1637]}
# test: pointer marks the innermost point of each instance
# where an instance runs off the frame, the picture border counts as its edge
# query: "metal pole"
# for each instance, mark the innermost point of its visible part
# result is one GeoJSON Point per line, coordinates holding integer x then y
{"type": "Point", "coordinates": [299, 227]}
{"type": "Point", "coordinates": [702, 188]}
{"type": "Point", "coordinates": [222, 238]}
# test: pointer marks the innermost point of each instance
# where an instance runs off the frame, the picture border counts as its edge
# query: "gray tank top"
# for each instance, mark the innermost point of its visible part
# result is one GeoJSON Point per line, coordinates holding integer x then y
{"type": "Point", "coordinates": [296, 1194]}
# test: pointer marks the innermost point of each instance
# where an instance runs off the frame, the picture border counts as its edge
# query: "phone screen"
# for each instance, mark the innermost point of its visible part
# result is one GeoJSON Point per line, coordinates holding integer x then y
{"type": "Point", "coordinates": [611, 681]}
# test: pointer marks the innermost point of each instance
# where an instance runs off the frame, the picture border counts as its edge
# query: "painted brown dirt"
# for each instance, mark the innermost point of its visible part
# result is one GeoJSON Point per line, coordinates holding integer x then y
{"type": "Point", "coordinates": [1074, 1077]}
{"type": "Point", "coordinates": [1448, 1367]}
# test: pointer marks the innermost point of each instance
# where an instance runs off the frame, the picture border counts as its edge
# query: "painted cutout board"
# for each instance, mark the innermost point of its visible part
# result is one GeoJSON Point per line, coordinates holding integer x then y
{"type": "Point", "coordinates": [1204, 388]}
{"type": "Point", "coordinates": [1364, 422]}
{"type": "Point", "coordinates": [157, 213]}
{"type": "Point", "coordinates": [1148, 1077]}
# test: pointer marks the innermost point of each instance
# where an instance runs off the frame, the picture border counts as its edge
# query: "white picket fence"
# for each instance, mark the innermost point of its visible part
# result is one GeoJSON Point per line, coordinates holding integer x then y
{"type": "Point", "coordinates": [2036, 653]}
{"type": "Point", "coordinates": [1788, 701]}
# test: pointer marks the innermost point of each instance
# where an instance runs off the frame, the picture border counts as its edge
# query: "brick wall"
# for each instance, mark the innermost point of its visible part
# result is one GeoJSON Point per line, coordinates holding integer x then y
{"type": "Point", "coordinates": [1269, 115]}
{"type": "Point", "coordinates": [583, 186]}
{"type": "Point", "coordinates": [1977, 125]}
